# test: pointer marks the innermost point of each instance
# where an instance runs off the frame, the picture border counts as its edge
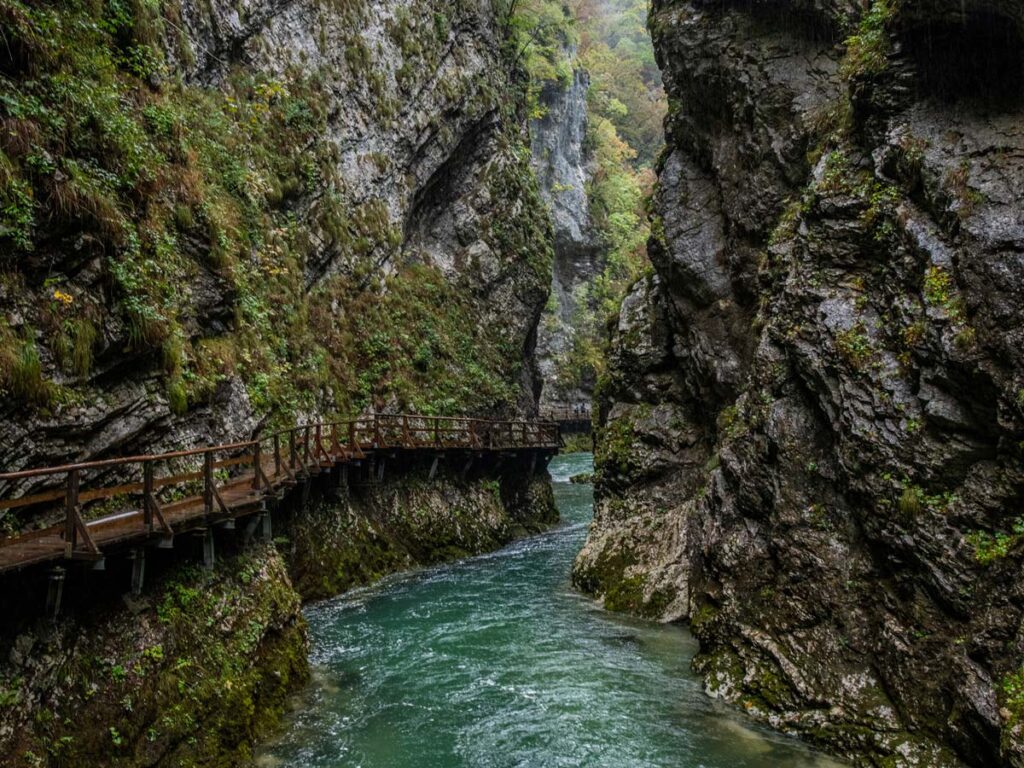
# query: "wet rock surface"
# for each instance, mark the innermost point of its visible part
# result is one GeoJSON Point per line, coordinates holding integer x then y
{"type": "Point", "coordinates": [562, 164]}
{"type": "Point", "coordinates": [811, 443]}
{"type": "Point", "coordinates": [426, 163]}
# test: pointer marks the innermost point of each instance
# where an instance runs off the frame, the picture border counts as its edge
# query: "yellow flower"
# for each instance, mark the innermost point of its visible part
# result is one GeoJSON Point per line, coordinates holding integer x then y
{"type": "Point", "coordinates": [64, 298]}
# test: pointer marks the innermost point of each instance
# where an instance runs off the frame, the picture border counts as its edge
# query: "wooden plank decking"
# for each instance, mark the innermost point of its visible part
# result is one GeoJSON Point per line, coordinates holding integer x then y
{"type": "Point", "coordinates": [233, 480]}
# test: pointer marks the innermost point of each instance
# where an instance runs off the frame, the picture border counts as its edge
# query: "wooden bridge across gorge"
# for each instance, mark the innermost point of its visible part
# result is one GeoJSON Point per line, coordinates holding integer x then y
{"type": "Point", "coordinates": [156, 497]}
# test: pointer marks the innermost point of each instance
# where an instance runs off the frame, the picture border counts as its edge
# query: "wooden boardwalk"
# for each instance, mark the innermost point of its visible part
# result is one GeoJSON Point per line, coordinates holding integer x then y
{"type": "Point", "coordinates": [158, 496]}
{"type": "Point", "coordinates": [570, 417]}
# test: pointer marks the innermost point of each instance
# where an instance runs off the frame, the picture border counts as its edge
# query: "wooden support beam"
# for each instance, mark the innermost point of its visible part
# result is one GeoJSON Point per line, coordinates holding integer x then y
{"type": "Point", "coordinates": [55, 593]}
{"type": "Point", "coordinates": [208, 483]}
{"type": "Point", "coordinates": [209, 554]}
{"type": "Point", "coordinates": [138, 557]}
{"type": "Point", "coordinates": [151, 508]}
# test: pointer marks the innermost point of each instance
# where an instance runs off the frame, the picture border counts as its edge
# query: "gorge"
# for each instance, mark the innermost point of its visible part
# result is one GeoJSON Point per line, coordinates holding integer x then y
{"type": "Point", "coordinates": [796, 306]}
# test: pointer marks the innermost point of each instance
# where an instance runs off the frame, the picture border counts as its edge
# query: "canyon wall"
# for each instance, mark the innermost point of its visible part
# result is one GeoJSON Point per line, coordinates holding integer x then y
{"type": "Point", "coordinates": [217, 217]}
{"type": "Point", "coordinates": [813, 422]}
{"type": "Point", "coordinates": [560, 159]}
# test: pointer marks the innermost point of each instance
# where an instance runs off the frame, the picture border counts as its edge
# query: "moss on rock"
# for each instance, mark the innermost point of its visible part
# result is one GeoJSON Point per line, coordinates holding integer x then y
{"type": "Point", "coordinates": [191, 675]}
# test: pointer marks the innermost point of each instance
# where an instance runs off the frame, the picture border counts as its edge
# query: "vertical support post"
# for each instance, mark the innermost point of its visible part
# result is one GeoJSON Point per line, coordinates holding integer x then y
{"type": "Point", "coordinates": [380, 469]}
{"type": "Point", "coordinates": [209, 555]}
{"type": "Point", "coordinates": [266, 527]}
{"type": "Point", "coordinates": [352, 436]}
{"type": "Point", "coordinates": [277, 455]}
{"type": "Point", "coordinates": [208, 482]}
{"type": "Point", "coordinates": [138, 570]}
{"type": "Point", "coordinates": [376, 431]}
{"type": "Point", "coordinates": [257, 465]}
{"type": "Point", "coordinates": [406, 442]}
{"type": "Point", "coordinates": [472, 433]}
{"type": "Point", "coordinates": [318, 442]}
{"type": "Point", "coordinates": [305, 444]}
{"type": "Point", "coordinates": [71, 512]}
{"type": "Point", "coordinates": [54, 593]}
{"type": "Point", "coordinates": [437, 431]}
{"type": "Point", "coordinates": [147, 494]}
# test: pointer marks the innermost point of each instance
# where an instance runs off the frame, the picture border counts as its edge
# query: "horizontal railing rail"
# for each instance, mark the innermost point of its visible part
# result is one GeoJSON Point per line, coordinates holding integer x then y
{"type": "Point", "coordinates": [567, 412]}
{"type": "Point", "coordinates": [209, 481]}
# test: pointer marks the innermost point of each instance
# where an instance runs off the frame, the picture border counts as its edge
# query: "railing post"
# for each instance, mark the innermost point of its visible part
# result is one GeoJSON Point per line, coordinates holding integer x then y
{"type": "Point", "coordinates": [305, 444]}
{"type": "Point", "coordinates": [147, 491]}
{"type": "Point", "coordinates": [437, 431]}
{"type": "Point", "coordinates": [472, 433]}
{"type": "Point", "coordinates": [293, 450]}
{"type": "Point", "coordinates": [406, 442]}
{"type": "Point", "coordinates": [256, 465]}
{"type": "Point", "coordinates": [352, 436]}
{"type": "Point", "coordinates": [70, 510]}
{"type": "Point", "coordinates": [208, 482]}
{"type": "Point", "coordinates": [318, 442]}
{"type": "Point", "coordinates": [277, 455]}
{"type": "Point", "coordinates": [376, 430]}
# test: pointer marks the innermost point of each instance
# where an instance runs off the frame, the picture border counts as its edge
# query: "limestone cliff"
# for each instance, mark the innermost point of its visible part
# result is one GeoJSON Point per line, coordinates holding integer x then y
{"type": "Point", "coordinates": [217, 215]}
{"type": "Point", "coordinates": [216, 218]}
{"type": "Point", "coordinates": [558, 143]}
{"type": "Point", "coordinates": [812, 426]}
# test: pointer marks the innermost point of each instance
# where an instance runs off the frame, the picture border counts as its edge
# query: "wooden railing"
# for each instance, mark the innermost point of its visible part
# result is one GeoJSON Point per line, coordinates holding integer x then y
{"type": "Point", "coordinates": [212, 481]}
{"type": "Point", "coordinates": [566, 412]}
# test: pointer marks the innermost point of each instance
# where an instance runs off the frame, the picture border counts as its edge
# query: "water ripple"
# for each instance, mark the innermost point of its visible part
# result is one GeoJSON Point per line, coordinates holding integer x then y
{"type": "Point", "coordinates": [495, 662]}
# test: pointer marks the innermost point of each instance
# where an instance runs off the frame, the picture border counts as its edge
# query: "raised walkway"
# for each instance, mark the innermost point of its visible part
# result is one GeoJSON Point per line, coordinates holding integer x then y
{"type": "Point", "coordinates": [140, 501]}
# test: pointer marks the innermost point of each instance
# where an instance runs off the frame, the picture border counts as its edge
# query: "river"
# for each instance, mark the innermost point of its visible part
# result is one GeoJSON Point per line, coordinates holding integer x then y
{"type": "Point", "coordinates": [496, 662]}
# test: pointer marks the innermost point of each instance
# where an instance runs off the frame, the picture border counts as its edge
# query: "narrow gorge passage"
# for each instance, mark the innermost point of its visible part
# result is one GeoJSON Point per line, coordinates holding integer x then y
{"type": "Point", "coordinates": [497, 661]}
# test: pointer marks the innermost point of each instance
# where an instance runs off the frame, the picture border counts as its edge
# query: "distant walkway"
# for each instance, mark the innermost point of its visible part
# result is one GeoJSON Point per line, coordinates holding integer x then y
{"type": "Point", "coordinates": [570, 417]}
{"type": "Point", "coordinates": [160, 496]}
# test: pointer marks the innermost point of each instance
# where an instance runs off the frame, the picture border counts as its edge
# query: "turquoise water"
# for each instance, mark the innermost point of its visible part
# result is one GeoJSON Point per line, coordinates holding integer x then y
{"type": "Point", "coordinates": [496, 662]}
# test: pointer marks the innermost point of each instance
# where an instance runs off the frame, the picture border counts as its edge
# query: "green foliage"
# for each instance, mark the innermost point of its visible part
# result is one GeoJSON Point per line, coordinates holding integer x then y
{"type": "Point", "coordinates": [228, 655]}
{"type": "Point", "coordinates": [419, 342]}
{"type": "Point", "coordinates": [867, 51]}
{"type": "Point", "coordinates": [855, 346]}
{"type": "Point", "coordinates": [990, 547]}
{"type": "Point", "coordinates": [170, 181]}
{"type": "Point", "coordinates": [615, 454]}
{"type": "Point", "coordinates": [1013, 695]}
{"type": "Point", "coordinates": [21, 370]}
{"type": "Point", "coordinates": [536, 35]}
{"type": "Point", "coordinates": [625, 81]}
{"type": "Point", "coordinates": [941, 292]}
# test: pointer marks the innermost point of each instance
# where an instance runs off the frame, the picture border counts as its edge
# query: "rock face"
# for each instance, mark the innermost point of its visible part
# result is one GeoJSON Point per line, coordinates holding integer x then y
{"type": "Point", "coordinates": [561, 163]}
{"type": "Point", "coordinates": [403, 145]}
{"type": "Point", "coordinates": [199, 668]}
{"type": "Point", "coordinates": [812, 426]}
